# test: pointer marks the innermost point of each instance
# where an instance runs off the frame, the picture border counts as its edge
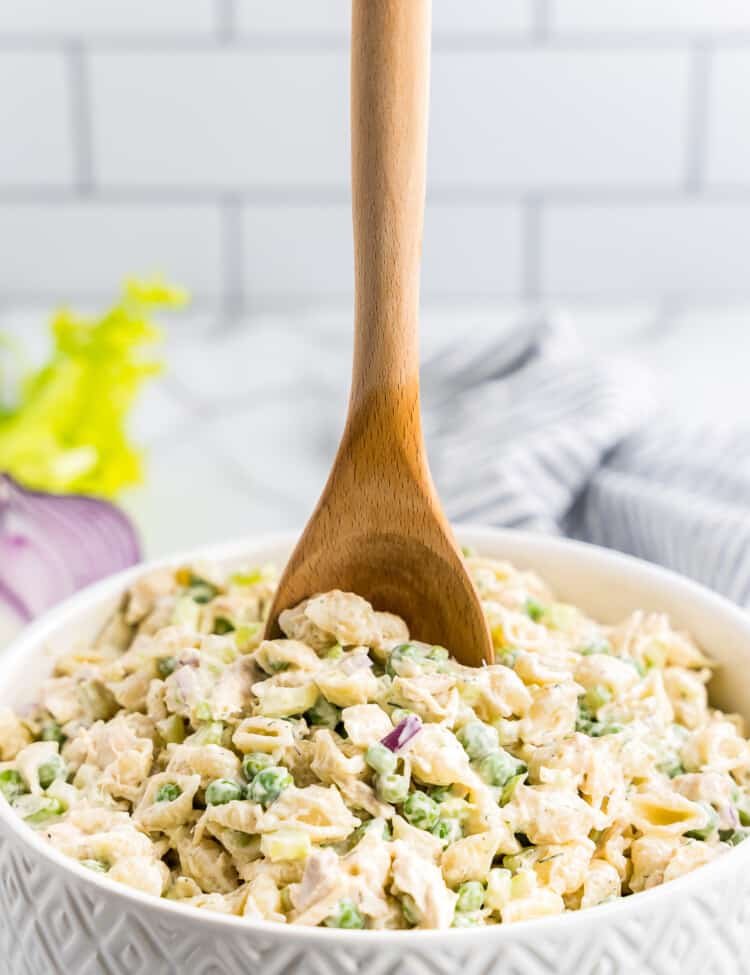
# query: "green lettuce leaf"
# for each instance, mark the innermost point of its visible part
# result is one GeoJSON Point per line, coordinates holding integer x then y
{"type": "Point", "coordinates": [67, 431]}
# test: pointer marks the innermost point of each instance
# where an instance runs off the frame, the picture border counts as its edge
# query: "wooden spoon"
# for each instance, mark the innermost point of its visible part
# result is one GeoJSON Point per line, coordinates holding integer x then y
{"type": "Point", "coordinates": [378, 529]}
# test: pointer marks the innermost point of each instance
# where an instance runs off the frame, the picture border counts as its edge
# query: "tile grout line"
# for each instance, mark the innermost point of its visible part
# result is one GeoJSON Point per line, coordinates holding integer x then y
{"type": "Point", "coordinates": [233, 301]}
{"type": "Point", "coordinates": [303, 303]}
{"type": "Point", "coordinates": [225, 31]}
{"type": "Point", "coordinates": [531, 248]}
{"type": "Point", "coordinates": [301, 196]}
{"type": "Point", "coordinates": [540, 20]}
{"type": "Point", "coordinates": [225, 12]}
{"type": "Point", "coordinates": [81, 118]}
{"type": "Point", "coordinates": [701, 63]}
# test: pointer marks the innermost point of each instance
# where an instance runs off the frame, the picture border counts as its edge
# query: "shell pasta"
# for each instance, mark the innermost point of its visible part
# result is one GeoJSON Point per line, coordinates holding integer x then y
{"type": "Point", "coordinates": [350, 776]}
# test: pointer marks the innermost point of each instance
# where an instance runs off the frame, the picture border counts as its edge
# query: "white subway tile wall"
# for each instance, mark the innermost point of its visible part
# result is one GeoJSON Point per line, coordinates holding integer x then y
{"type": "Point", "coordinates": [63, 250]}
{"type": "Point", "coordinates": [331, 18]}
{"type": "Point", "coordinates": [729, 100]}
{"type": "Point", "coordinates": [83, 19]}
{"type": "Point", "coordinates": [298, 252]}
{"type": "Point", "coordinates": [629, 16]}
{"type": "Point", "coordinates": [301, 18]}
{"type": "Point", "coordinates": [220, 119]}
{"type": "Point", "coordinates": [538, 119]}
{"type": "Point", "coordinates": [695, 250]}
{"type": "Point", "coordinates": [35, 119]}
{"type": "Point", "coordinates": [577, 149]}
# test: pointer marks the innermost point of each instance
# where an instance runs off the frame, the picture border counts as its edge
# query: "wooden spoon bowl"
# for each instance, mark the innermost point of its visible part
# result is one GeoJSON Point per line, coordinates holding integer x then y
{"type": "Point", "coordinates": [378, 528]}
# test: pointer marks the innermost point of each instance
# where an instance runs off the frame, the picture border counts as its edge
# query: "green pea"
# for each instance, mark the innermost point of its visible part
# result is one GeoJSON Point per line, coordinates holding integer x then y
{"type": "Point", "coordinates": [408, 659]}
{"type": "Point", "coordinates": [323, 713]}
{"type": "Point", "coordinates": [221, 791]}
{"type": "Point", "coordinates": [409, 910]}
{"type": "Point", "coordinates": [51, 731]}
{"type": "Point", "coordinates": [168, 792]}
{"type": "Point", "coordinates": [470, 896]}
{"type": "Point", "coordinates": [400, 658]}
{"type": "Point", "coordinates": [601, 728]}
{"type": "Point", "coordinates": [398, 715]}
{"type": "Point", "coordinates": [54, 768]}
{"type": "Point", "coordinates": [268, 785]}
{"type": "Point", "coordinates": [587, 724]}
{"type": "Point", "coordinates": [596, 646]}
{"type": "Point", "coordinates": [48, 808]}
{"type": "Point", "coordinates": [11, 784]}
{"type": "Point", "coordinates": [704, 832]}
{"type": "Point", "coordinates": [222, 625]}
{"type": "Point", "coordinates": [255, 762]}
{"type": "Point", "coordinates": [381, 759]}
{"type": "Point", "coordinates": [440, 792]}
{"type": "Point", "coordinates": [201, 591]}
{"type": "Point", "coordinates": [421, 811]}
{"type": "Point", "coordinates": [499, 767]}
{"type": "Point", "coordinates": [336, 652]}
{"type": "Point", "coordinates": [447, 831]}
{"type": "Point", "coordinates": [392, 788]}
{"type": "Point", "coordinates": [346, 915]}
{"type": "Point", "coordinates": [596, 697]}
{"type": "Point", "coordinates": [478, 738]}
{"type": "Point", "coordinates": [166, 666]}
{"type": "Point", "coordinates": [671, 767]}
{"type": "Point", "coordinates": [534, 610]}
{"type": "Point", "coordinates": [98, 866]}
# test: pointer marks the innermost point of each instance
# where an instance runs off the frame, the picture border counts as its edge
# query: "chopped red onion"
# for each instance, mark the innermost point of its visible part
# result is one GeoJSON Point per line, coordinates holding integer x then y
{"type": "Point", "coordinates": [403, 733]}
{"type": "Point", "coordinates": [53, 544]}
{"type": "Point", "coordinates": [729, 815]}
{"type": "Point", "coordinates": [189, 658]}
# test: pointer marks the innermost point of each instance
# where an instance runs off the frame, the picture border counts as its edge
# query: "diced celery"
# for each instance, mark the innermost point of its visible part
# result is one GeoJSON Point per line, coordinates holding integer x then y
{"type": "Point", "coordinates": [186, 613]}
{"type": "Point", "coordinates": [498, 891]}
{"type": "Point", "coordinates": [286, 844]}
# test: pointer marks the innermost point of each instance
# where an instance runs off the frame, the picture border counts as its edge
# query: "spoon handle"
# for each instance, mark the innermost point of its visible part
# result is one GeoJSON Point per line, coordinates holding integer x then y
{"type": "Point", "coordinates": [389, 100]}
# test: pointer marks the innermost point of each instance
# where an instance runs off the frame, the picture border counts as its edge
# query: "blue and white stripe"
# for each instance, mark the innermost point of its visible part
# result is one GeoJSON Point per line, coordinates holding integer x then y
{"type": "Point", "coordinates": [528, 431]}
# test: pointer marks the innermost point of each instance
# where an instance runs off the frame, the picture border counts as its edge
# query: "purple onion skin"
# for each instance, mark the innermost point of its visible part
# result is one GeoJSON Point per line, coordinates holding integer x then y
{"type": "Point", "coordinates": [403, 733]}
{"type": "Point", "coordinates": [54, 544]}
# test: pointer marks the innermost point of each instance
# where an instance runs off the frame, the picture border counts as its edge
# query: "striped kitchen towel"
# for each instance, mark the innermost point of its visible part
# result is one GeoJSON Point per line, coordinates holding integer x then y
{"type": "Point", "coordinates": [529, 431]}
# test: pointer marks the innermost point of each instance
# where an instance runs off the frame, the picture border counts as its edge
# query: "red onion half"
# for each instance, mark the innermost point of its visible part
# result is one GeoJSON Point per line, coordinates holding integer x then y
{"type": "Point", "coordinates": [53, 544]}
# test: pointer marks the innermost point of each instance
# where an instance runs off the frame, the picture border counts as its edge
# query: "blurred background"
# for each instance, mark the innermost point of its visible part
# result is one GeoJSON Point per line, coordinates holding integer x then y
{"type": "Point", "coordinates": [589, 158]}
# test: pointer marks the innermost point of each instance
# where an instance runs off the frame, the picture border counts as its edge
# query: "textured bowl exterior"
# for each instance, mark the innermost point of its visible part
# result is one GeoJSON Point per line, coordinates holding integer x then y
{"type": "Point", "coordinates": [57, 918]}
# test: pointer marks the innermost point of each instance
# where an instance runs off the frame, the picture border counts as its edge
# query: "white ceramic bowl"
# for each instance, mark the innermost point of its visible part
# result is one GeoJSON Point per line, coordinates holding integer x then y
{"type": "Point", "coordinates": [58, 917]}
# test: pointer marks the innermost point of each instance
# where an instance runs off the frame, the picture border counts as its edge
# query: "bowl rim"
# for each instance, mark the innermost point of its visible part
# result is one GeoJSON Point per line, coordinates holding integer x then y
{"type": "Point", "coordinates": [569, 922]}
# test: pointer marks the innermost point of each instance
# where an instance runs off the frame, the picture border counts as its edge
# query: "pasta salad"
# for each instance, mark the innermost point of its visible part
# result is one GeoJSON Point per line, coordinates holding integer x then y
{"type": "Point", "coordinates": [352, 777]}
